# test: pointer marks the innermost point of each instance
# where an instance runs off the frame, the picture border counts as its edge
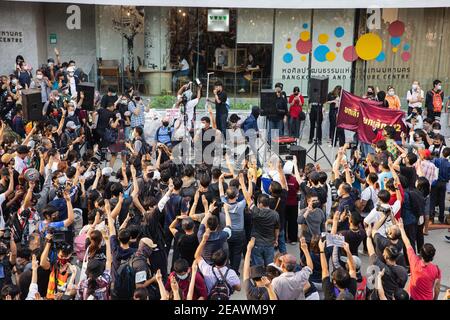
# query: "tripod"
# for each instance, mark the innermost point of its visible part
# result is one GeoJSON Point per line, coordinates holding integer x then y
{"type": "Point", "coordinates": [316, 144]}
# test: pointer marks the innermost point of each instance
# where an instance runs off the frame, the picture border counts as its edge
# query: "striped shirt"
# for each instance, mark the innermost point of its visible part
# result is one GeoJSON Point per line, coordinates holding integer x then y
{"type": "Point", "coordinates": [428, 170]}
{"type": "Point", "coordinates": [136, 120]}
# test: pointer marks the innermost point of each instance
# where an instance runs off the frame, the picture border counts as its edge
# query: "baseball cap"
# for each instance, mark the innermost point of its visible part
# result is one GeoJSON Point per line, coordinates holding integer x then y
{"type": "Point", "coordinates": [7, 157]}
{"type": "Point", "coordinates": [22, 149]}
{"type": "Point", "coordinates": [256, 272]}
{"type": "Point", "coordinates": [107, 171]}
{"type": "Point", "coordinates": [149, 243]}
{"type": "Point", "coordinates": [356, 259]}
{"type": "Point", "coordinates": [71, 125]}
{"type": "Point", "coordinates": [425, 153]}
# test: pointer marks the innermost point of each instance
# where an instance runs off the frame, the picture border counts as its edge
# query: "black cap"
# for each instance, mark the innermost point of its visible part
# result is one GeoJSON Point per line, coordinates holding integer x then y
{"type": "Point", "coordinates": [234, 118]}
{"type": "Point", "coordinates": [256, 272]}
{"type": "Point", "coordinates": [279, 85]}
{"type": "Point", "coordinates": [22, 149]}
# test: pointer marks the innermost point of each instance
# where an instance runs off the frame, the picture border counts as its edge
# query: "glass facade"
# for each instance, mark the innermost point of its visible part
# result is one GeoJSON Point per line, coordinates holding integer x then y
{"type": "Point", "coordinates": [158, 49]}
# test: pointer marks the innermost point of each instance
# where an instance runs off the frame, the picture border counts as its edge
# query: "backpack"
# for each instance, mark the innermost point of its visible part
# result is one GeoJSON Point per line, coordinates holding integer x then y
{"type": "Point", "coordinates": [369, 204]}
{"type": "Point", "coordinates": [361, 289]}
{"type": "Point", "coordinates": [145, 148]}
{"type": "Point", "coordinates": [220, 290]}
{"type": "Point", "coordinates": [125, 283]}
{"type": "Point", "coordinates": [169, 133]}
{"type": "Point", "coordinates": [437, 101]}
{"type": "Point", "coordinates": [416, 202]}
{"type": "Point", "coordinates": [188, 193]}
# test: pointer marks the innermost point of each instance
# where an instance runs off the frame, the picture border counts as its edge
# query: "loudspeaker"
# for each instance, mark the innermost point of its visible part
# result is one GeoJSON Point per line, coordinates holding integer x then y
{"type": "Point", "coordinates": [300, 153]}
{"type": "Point", "coordinates": [32, 105]}
{"type": "Point", "coordinates": [318, 90]}
{"type": "Point", "coordinates": [267, 102]}
{"type": "Point", "coordinates": [88, 89]}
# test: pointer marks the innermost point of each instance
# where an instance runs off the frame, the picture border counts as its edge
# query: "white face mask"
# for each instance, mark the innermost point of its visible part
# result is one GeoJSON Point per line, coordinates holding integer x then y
{"type": "Point", "coordinates": [439, 87]}
{"type": "Point", "coordinates": [339, 193]}
{"type": "Point", "coordinates": [182, 277]}
{"type": "Point", "coordinates": [71, 113]}
{"type": "Point", "coordinates": [14, 81]}
{"type": "Point", "coordinates": [39, 76]}
{"type": "Point", "coordinates": [391, 92]}
{"type": "Point", "coordinates": [414, 86]}
{"type": "Point", "coordinates": [436, 131]}
{"type": "Point", "coordinates": [202, 126]}
{"type": "Point", "coordinates": [62, 180]}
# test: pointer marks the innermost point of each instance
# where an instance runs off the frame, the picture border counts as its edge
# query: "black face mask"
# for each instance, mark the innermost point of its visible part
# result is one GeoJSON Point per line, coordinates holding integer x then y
{"type": "Point", "coordinates": [165, 124]}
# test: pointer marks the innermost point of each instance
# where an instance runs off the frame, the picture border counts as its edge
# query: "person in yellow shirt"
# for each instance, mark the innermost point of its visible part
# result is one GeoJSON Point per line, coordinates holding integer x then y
{"type": "Point", "coordinates": [393, 99]}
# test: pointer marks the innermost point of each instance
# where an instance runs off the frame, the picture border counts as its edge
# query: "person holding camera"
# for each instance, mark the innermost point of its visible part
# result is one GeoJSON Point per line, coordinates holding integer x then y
{"type": "Point", "coordinates": [312, 218]}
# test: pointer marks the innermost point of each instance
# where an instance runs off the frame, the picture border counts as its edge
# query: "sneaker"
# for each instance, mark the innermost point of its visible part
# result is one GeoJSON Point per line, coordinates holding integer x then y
{"type": "Point", "coordinates": [447, 238]}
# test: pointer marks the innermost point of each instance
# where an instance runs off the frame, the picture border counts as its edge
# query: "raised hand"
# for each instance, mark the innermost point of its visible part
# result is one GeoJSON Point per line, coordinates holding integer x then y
{"type": "Point", "coordinates": [251, 244]}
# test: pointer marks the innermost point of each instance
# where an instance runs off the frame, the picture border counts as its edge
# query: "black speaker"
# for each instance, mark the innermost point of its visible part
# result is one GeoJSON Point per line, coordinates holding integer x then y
{"type": "Point", "coordinates": [32, 105]}
{"type": "Point", "coordinates": [318, 90]}
{"type": "Point", "coordinates": [267, 102]}
{"type": "Point", "coordinates": [300, 153]}
{"type": "Point", "coordinates": [88, 89]}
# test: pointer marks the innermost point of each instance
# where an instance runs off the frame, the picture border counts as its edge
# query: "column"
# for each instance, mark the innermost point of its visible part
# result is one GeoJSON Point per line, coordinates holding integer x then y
{"type": "Point", "coordinates": [156, 38]}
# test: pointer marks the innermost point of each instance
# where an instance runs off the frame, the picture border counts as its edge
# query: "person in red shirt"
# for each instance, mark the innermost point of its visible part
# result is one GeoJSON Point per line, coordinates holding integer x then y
{"type": "Point", "coordinates": [296, 102]}
{"type": "Point", "coordinates": [425, 281]}
{"type": "Point", "coordinates": [182, 275]}
{"type": "Point", "coordinates": [291, 203]}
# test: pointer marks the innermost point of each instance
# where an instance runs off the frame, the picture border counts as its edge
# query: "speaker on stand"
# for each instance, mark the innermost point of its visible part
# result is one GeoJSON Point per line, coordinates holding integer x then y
{"type": "Point", "coordinates": [32, 105]}
{"type": "Point", "coordinates": [88, 89]}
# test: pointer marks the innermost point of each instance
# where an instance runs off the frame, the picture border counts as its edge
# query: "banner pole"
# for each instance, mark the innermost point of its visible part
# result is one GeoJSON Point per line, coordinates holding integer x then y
{"type": "Point", "coordinates": [335, 129]}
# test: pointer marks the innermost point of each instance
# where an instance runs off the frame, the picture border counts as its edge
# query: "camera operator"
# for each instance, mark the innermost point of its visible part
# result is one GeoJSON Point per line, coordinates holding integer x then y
{"type": "Point", "coordinates": [383, 208]}
{"type": "Point", "coordinates": [312, 218]}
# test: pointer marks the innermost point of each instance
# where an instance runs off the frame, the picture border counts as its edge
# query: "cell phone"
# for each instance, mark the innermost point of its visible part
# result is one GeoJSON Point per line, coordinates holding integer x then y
{"type": "Point", "coordinates": [323, 236]}
{"type": "Point", "coordinates": [198, 81]}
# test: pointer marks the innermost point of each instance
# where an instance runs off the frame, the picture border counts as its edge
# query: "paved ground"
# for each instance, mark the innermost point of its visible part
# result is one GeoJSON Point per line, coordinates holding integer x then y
{"type": "Point", "coordinates": [436, 237]}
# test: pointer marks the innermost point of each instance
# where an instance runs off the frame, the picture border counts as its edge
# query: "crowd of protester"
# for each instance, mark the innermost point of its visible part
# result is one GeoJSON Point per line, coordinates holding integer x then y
{"type": "Point", "coordinates": [157, 228]}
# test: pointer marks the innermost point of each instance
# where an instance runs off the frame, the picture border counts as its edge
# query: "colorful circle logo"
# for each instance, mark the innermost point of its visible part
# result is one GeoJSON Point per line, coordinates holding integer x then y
{"type": "Point", "coordinates": [369, 46]}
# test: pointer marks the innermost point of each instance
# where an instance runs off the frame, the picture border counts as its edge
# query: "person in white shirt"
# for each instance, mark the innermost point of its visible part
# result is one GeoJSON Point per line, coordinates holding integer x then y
{"type": "Point", "coordinates": [183, 71]}
{"type": "Point", "coordinates": [21, 161]}
{"type": "Point", "coordinates": [382, 208]}
{"type": "Point", "coordinates": [369, 193]}
{"type": "Point", "coordinates": [415, 97]}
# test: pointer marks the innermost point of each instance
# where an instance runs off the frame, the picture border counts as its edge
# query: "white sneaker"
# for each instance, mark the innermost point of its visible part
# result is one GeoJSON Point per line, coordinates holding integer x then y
{"type": "Point", "coordinates": [242, 90]}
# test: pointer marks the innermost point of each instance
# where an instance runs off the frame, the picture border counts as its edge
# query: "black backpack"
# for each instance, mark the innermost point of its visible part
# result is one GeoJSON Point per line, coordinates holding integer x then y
{"type": "Point", "coordinates": [369, 204]}
{"type": "Point", "coordinates": [416, 202]}
{"type": "Point", "coordinates": [124, 284]}
{"type": "Point", "coordinates": [221, 289]}
{"type": "Point", "coordinates": [188, 193]}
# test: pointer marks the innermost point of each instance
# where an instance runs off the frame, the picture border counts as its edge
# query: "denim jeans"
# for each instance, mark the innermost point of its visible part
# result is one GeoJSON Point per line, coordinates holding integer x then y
{"type": "Point", "coordinates": [236, 245]}
{"type": "Point", "coordinates": [282, 242]}
{"type": "Point", "coordinates": [274, 125]}
{"type": "Point", "coordinates": [262, 255]}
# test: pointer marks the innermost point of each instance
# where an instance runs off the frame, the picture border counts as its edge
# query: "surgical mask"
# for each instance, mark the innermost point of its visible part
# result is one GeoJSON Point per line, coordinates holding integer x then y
{"type": "Point", "coordinates": [439, 87]}
{"type": "Point", "coordinates": [436, 131]}
{"type": "Point", "coordinates": [182, 277]}
{"type": "Point", "coordinates": [62, 180]}
{"type": "Point", "coordinates": [339, 193]}
{"type": "Point", "coordinates": [165, 123]}
{"type": "Point", "coordinates": [14, 81]}
{"type": "Point", "coordinates": [39, 76]}
{"type": "Point", "coordinates": [203, 126]}
{"type": "Point", "coordinates": [391, 92]}
{"type": "Point", "coordinates": [414, 86]}
{"type": "Point", "coordinates": [71, 113]}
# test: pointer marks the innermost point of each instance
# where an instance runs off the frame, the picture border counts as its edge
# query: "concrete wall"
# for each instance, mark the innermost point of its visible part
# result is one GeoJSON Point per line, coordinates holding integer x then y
{"type": "Point", "coordinates": [77, 45]}
{"type": "Point", "coordinates": [27, 18]}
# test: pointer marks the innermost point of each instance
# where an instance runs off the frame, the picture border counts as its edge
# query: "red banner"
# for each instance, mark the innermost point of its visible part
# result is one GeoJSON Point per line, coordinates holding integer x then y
{"type": "Point", "coordinates": [365, 116]}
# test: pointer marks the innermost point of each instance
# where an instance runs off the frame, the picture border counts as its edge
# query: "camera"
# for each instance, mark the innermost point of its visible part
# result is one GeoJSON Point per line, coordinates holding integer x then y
{"type": "Point", "coordinates": [382, 209]}
{"type": "Point", "coordinates": [316, 204]}
{"type": "Point", "coordinates": [60, 191]}
{"type": "Point", "coordinates": [58, 236]}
